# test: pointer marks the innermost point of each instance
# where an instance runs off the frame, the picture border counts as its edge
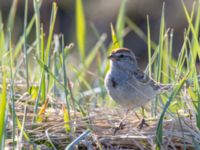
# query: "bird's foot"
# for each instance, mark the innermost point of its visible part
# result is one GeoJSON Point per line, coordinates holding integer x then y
{"type": "Point", "coordinates": [142, 124]}
{"type": "Point", "coordinates": [121, 126]}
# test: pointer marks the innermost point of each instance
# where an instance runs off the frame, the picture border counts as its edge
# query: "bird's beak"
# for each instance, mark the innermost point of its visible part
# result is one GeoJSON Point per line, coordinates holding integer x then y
{"type": "Point", "coordinates": [112, 57]}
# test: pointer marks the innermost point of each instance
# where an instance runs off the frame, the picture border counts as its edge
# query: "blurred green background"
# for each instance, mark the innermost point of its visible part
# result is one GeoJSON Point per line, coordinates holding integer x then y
{"type": "Point", "coordinates": [101, 13]}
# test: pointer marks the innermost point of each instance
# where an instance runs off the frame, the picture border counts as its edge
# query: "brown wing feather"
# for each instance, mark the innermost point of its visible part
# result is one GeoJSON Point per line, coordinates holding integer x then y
{"type": "Point", "coordinates": [144, 79]}
{"type": "Point", "coordinates": [141, 76]}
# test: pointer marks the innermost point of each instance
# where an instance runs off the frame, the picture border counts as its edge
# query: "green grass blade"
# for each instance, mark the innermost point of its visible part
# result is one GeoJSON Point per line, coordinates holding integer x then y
{"type": "Point", "coordinates": [115, 42]}
{"type": "Point", "coordinates": [120, 22]}
{"type": "Point", "coordinates": [171, 72]}
{"type": "Point", "coordinates": [25, 43]}
{"type": "Point", "coordinates": [65, 78]}
{"type": "Point", "coordinates": [3, 105]}
{"type": "Point", "coordinates": [197, 18]}
{"type": "Point", "coordinates": [165, 58]}
{"type": "Point", "coordinates": [149, 46]}
{"type": "Point", "coordinates": [56, 65]}
{"type": "Point", "coordinates": [49, 41]}
{"type": "Point", "coordinates": [80, 28]}
{"type": "Point", "coordinates": [51, 29]}
{"type": "Point", "coordinates": [2, 37]}
{"type": "Point", "coordinates": [159, 58]}
{"type": "Point", "coordinates": [176, 90]}
{"type": "Point", "coordinates": [11, 65]}
{"type": "Point", "coordinates": [160, 46]}
{"type": "Point", "coordinates": [42, 54]}
{"type": "Point", "coordinates": [11, 17]}
{"type": "Point", "coordinates": [37, 24]}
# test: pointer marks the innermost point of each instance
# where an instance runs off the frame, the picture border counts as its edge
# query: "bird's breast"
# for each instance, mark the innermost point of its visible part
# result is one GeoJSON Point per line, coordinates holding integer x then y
{"type": "Point", "coordinates": [125, 90]}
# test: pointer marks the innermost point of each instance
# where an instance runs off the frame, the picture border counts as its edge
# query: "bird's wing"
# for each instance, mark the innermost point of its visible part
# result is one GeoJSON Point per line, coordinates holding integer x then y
{"type": "Point", "coordinates": [144, 79]}
{"type": "Point", "coordinates": [141, 76]}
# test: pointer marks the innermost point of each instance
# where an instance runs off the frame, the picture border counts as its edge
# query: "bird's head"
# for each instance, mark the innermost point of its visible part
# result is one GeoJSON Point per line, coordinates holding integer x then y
{"type": "Point", "coordinates": [123, 58]}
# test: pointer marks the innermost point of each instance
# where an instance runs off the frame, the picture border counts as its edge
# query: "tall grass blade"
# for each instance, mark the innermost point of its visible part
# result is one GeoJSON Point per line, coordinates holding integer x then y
{"type": "Point", "coordinates": [11, 64]}
{"type": "Point", "coordinates": [120, 22]}
{"type": "Point", "coordinates": [149, 46]}
{"type": "Point", "coordinates": [171, 72]}
{"type": "Point", "coordinates": [51, 29]}
{"type": "Point", "coordinates": [42, 54]}
{"type": "Point", "coordinates": [37, 24]}
{"type": "Point", "coordinates": [49, 41]}
{"type": "Point", "coordinates": [80, 28]}
{"type": "Point", "coordinates": [2, 38]}
{"type": "Point", "coordinates": [197, 18]}
{"type": "Point", "coordinates": [11, 19]}
{"type": "Point", "coordinates": [159, 57]}
{"type": "Point", "coordinates": [160, 46]}
{"type": "Point", "coordinates": [3, 105]}
{"type": "Point", "coordinates": [56, 64]}
{"type": "Point", "coordinates": [25, 44]}
{"type": "Point", "coordinates": [115, 42]}
{"type": "Point", "coordinates": [65, 78]}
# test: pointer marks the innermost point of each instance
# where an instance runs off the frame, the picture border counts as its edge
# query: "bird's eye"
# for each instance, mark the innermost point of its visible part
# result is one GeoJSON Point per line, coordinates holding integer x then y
{"type": "Point", "coordinates": [121, 56]}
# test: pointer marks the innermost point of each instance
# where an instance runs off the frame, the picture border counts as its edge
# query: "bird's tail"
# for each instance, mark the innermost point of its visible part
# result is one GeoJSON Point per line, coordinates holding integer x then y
{"type": "Point", "coordinates": [166, 87]}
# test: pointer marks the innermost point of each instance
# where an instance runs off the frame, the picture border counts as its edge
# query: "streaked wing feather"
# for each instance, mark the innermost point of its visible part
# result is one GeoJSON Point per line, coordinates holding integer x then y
{"type": "Point", "coordinates": [141, 76]}
{"type": "Point", "coordinates": [144, 79]}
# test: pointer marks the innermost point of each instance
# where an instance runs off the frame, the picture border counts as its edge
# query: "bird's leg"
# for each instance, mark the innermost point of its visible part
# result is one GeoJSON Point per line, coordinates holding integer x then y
{"type": "Point", "coordinates": [142, 122]}
{"type": "Point", "coordinates": [122, 124]}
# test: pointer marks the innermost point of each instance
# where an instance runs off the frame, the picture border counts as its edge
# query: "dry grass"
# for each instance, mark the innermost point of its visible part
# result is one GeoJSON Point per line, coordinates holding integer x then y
{"type": "Point", "coordinates": [102, 122]}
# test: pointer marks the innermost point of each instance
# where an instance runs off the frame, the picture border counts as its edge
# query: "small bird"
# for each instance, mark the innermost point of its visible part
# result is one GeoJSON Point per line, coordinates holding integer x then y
{"type": "Point", "coordinates": [127, 84]}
